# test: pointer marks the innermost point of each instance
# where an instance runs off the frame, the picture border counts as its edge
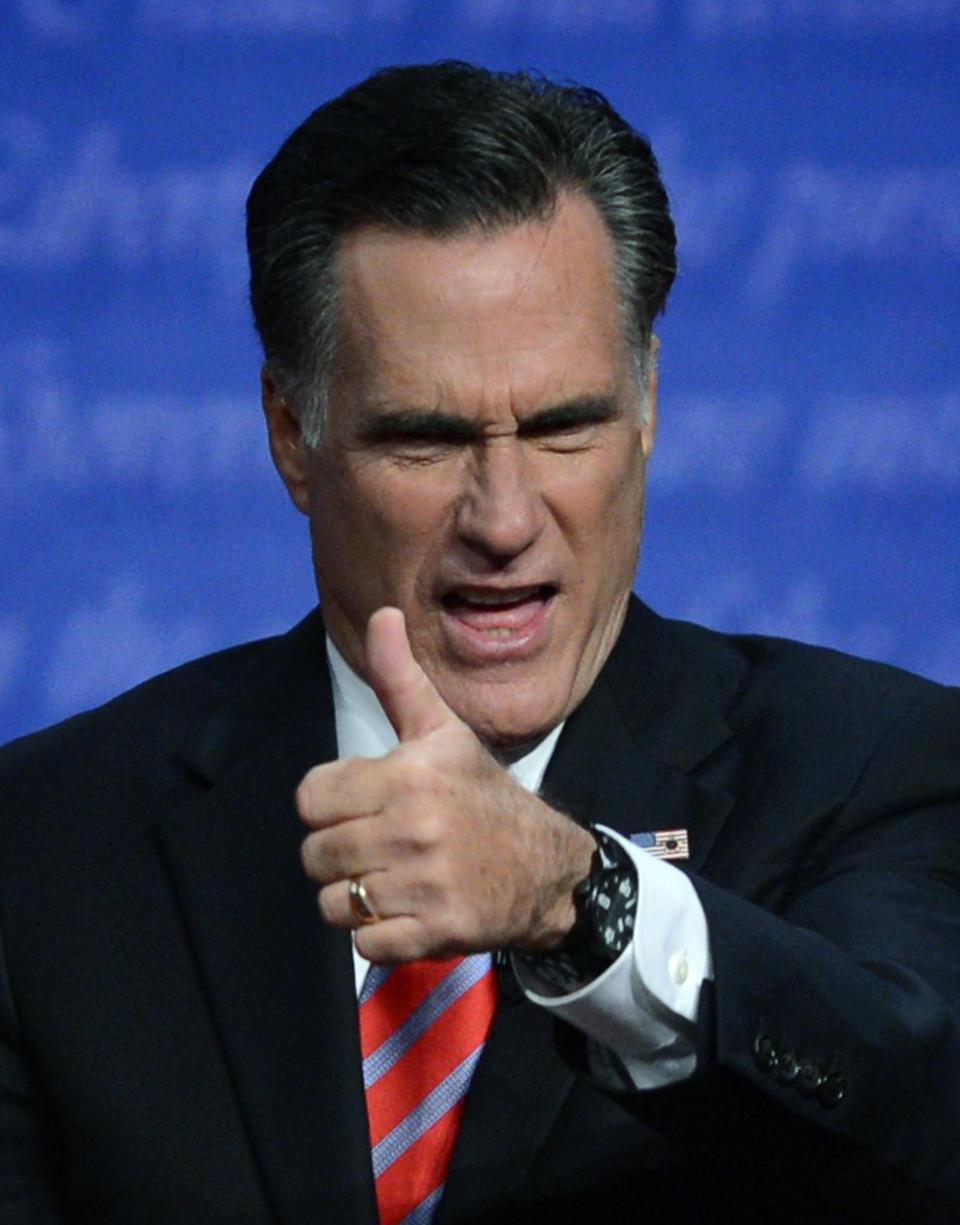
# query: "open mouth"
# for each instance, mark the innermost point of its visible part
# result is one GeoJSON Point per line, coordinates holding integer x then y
{"type": "Point", "coordinates": [497, 613]}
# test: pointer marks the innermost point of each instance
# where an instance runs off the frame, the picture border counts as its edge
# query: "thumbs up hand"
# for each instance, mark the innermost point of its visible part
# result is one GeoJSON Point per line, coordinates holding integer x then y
{"type": "Point", "coordinates": [453, 855]}
{"type": "Point", "coordinates": [406, 693]}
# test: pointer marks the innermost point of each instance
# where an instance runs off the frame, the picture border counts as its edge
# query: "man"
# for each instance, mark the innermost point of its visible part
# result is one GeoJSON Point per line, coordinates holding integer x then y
{"type": "Point", "coordinates": [455, 276]}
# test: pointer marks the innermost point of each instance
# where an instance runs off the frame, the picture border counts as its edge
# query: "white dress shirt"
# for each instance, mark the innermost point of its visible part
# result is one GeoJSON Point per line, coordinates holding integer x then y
{"type": "Point", "coordinates": [639, 1013]}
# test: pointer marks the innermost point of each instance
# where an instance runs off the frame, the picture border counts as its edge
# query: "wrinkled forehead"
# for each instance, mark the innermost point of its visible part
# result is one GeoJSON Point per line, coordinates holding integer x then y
{"type": "Point", "coordinates": [527, 311]}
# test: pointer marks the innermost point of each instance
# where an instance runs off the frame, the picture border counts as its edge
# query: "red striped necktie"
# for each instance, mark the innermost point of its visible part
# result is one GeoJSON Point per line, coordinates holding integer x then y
{"type": "Point", "coordinates": [422, 1027]}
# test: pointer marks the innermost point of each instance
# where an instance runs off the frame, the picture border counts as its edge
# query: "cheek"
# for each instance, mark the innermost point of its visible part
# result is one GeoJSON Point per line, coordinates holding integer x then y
{"type": "Point", "coordinates": [615, 516]}
{"type": "Point", "coordinates": [387, 519]}
{"type": "Point", "coordinates": [353, 503]}
{"type": "Point", "coordinates": [602, 507]}
{"type": "Point", "coordinates": [348, 530]}
{"type": "Point", "coordinates": [629, 489]}
{"type": "Point", "coordinates": [625, 513]}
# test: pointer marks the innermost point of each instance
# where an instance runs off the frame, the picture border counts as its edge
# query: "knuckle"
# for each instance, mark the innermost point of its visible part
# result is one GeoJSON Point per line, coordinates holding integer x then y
{"type": "Point", "coordinates": [308, 854]}
{"type": "Point", "coordinates": [326, 900]}
{"type": "Point", "coordinates": [303, 797]}
{"type": "Point", "coordinates": [375, 946]}
{"type": "Point", "coordinates": [415, 832]}
{"type": "Point", "coordinates": [321, 857]}
{"type": "Point", "coordinates": [427, 830]}
{"type": "Point", "coordinates": [313, 790]}
{"type": "Point", "coordinates": [415, 773]}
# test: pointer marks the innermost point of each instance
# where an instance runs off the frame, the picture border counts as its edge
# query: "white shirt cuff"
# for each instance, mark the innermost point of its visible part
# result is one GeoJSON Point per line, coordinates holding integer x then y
{"type": "Point", "coordinates": [644, 1006]}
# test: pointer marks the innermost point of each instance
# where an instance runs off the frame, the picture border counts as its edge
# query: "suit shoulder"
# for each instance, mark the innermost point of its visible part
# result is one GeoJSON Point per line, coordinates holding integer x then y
{"type": "Point", "coordinates": [791, 697]}
{"type": "Point", "coordinates": [801, 673]}
{"type": "Point", "coordinates": [799, 698]}
{"type": "Point", "coordinates": [766, 662]}
{"type": "Point", "coordinates": [146, 720]}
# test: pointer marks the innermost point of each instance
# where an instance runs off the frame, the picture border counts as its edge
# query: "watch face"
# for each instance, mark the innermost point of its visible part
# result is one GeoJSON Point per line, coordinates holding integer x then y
{"type": "Point", "coordinates": [614, 907]}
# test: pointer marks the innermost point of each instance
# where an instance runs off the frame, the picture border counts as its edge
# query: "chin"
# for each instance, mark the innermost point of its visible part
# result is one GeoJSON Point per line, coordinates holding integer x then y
{"type": "Point", "coordinates": [507, 733]}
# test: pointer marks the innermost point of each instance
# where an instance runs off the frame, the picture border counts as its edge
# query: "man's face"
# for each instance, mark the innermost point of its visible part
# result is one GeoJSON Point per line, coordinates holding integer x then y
{"type": "Point", "coordinates": [483, 467]}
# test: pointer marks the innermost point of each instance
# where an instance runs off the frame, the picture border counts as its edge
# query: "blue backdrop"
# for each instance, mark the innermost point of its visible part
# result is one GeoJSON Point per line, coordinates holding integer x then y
{"type": "Point", "coordinates": [807, 474]}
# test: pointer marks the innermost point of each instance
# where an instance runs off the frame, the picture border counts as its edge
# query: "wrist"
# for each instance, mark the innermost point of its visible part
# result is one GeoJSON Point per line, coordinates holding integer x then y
{"type": "Point", "coordinates": [574, 849]}
{"type": "Point", "coordinates": [604, 906]}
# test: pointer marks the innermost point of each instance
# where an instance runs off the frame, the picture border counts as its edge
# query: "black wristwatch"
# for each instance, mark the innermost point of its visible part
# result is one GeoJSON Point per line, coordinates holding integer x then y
{"type": "Point", "coordinates": [606, 908]}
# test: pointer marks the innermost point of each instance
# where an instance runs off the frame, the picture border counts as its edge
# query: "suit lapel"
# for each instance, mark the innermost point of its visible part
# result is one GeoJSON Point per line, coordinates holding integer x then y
{"type": "Point", "coordinates": [278, 981]}
{"type": "Point", "coordinates": [648, 748]}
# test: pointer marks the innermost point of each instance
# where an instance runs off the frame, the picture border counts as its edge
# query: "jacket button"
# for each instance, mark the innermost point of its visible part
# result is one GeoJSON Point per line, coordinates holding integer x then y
{"type": "Point", "coordinates": [832, 1091]}
{"type": "Point", "coordinates": [809, 1078]}
{"type": "Point", "coordinates": [765, 1053]}
{"type": "Point", "coordinates": [788, 1068]}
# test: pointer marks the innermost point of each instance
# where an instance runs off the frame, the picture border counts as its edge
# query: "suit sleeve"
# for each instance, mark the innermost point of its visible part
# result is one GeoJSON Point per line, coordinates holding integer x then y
{"type": "Point", "coordinates": [830, 1036]}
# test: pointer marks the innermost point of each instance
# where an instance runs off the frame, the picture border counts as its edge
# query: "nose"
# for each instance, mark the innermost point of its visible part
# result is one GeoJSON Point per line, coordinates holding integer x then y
{"type": "Point", "coordinates": [501, 512]}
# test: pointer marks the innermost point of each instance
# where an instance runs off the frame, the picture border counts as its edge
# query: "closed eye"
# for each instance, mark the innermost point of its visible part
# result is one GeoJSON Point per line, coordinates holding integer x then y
{"type": "Point", "coordinates": [422, 436]}
{"type": "Point", "coordinates": [571, 426]}
{"type": "Point", "coordinates": [414, 435]}
{"type": "Point", "coordinates": [413, 426]}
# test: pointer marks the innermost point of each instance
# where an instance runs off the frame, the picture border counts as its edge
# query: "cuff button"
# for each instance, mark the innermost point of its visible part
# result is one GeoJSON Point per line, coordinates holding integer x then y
{"type": "Point", "coordinates": [788, 1068]}
{"type": "Point", "coordinates": [809, 1078]}
{"type": "Point", "coordinates": [765, 1053]}
{"type": "Point", "coordinates": [832, 1091]}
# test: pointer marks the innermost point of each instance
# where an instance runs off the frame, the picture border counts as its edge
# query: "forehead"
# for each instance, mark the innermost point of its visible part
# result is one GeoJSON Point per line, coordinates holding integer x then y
{"type": "Point", "coordinates": [492, 319]}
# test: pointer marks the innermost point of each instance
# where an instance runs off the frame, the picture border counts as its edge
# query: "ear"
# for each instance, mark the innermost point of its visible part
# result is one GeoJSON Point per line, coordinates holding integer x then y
{"type": "Point", "coordinates": [291, 456]}
{"type": "Point", "coordinates": [649, 428]}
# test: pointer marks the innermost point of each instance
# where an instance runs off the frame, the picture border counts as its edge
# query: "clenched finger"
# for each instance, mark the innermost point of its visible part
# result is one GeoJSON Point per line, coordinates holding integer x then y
{"type": "Point", "coordinates": [341, 791]}
{"type": "Point", "coordinates": [349, 848]}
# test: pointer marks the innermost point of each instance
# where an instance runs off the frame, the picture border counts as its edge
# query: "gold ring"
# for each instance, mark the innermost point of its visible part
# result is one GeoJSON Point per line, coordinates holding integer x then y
{"type": "Point", "coordinates": [361, 904]}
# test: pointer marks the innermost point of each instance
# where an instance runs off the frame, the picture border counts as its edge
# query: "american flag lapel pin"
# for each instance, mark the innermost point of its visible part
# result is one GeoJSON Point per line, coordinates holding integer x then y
{"type": "Point", "coordinates": [664, 843]}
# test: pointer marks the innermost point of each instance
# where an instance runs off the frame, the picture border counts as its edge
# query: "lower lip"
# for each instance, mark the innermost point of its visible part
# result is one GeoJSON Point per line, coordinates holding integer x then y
{"type": "Point", "coordinates": [479, 635]}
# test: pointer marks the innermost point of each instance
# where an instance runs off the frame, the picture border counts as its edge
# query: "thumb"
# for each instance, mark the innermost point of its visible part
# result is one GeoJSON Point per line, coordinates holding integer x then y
{"type": "Point", "coordinates": [405, 691]}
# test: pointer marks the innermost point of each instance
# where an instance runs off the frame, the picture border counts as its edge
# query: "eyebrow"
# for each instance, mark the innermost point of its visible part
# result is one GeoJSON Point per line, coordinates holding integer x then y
{"type": "Point", "coordinates": [585, 410]}
{"type": "Point", "coordinates": [385, 424]}
{"type": "Point", "coordinates": [382, 424]}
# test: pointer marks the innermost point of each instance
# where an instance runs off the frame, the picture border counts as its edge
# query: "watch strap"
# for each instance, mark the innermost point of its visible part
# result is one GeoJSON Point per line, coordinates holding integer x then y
{"type": "Point", "coordinates": [606, 905]}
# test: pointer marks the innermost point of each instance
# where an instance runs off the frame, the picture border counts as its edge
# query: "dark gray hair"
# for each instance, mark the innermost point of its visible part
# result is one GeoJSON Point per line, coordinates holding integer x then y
{"type": "Point", "coordinates": [441, 149]}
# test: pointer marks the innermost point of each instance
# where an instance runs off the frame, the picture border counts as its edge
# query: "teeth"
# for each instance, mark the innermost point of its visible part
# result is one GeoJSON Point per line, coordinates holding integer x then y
{"type": "Point", "coordinates": [499, 597]}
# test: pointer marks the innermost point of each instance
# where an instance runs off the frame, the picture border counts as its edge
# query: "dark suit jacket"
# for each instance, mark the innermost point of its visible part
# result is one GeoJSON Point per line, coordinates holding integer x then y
{"type": "Point", "coordinates": [178, 1037]}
